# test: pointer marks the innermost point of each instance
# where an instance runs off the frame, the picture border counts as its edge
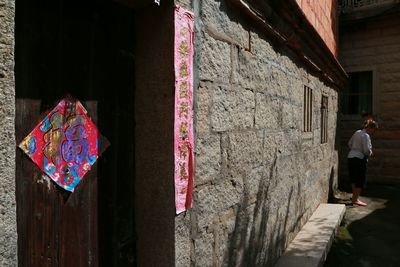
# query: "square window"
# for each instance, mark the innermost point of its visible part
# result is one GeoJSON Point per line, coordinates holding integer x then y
{"type": "Point", "coordinates": [357, 95]}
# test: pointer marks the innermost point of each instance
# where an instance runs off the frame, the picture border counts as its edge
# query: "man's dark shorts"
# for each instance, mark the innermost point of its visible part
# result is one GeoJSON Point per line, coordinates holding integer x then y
{"type": "Point", "coordinates": [358, 171]}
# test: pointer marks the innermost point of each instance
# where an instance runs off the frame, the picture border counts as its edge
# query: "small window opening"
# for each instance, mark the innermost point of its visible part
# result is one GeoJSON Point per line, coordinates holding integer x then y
{"type": "Point", "coordinates": [307, 109]}
{"type": "Point", "coordinates": [324, 119]}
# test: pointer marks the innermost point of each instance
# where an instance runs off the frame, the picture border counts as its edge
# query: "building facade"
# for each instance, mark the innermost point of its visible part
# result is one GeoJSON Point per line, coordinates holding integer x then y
{"type": "Point", "coordinates": [369, 52]}
{"type": "Point", "coordinates": [265, 124]}
{"type": "Point", "coordinates": [266, 83]}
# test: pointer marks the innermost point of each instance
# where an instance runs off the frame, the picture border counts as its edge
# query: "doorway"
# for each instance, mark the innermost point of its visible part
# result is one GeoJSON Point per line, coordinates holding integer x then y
{"type": "Point", "coordinates": [85, 49]}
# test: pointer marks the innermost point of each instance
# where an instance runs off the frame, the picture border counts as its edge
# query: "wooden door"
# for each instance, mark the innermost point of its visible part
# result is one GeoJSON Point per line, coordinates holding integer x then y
{"type": "Point", "coordinates": [55, 227]}
{"type": "Point", "coordinates": [85, 48]}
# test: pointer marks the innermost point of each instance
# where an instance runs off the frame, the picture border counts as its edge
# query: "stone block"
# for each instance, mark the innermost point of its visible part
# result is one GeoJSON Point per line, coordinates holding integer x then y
{"type": "Point", "coordinates": [219, 16]}
{"type": "Point", "coordinates": [287, 167]}
{"type": "Point", "coordinates": [307, 140]}
{"type": "Point", "coordinates": [296, 92]}
{"type": "Point", "coordinates": [208, 157]}
{"type": "Point", "coordinates": [236, 247]}
{"type": "Point", "coordinates": [232, 108]}
{"type": "Point", "coordinates": [183, 244]}
{"type": "Point", "coordinates": [228, 219]}
{"type": "Point", "coordinates": [256, 183]}
{"type": "Point", "coordinates": [292, 142]}
{"type": "Point", "coordinates": [281, 81]}
{"type": "Point", "coordinates": [212, 199]}
{"type": "Point", "coordinates": [204, 250]}
{"type": "Point", "coordinates": [290, 119]}
{"type": "Point", "coordinates": [222, 242]}
{"type": "Point", "coordinates": [268, 113]}
{"type": "Point", "coordinates": [258, 235]}
{"type": "Point", "coordinates": [273, 217]}
{"type": "Point", "coordinates": [251, 71]}
{"type": "Point", "coordinates": [260, 46]}
{"type": "Point", "coordinates": [203, 100]}
{"type": "Point", "coordinates": [288, 66]}
{"type": "Point", "coordinates": [245, 151]}
{"type": "Point", "coordinates": [215, 60]}
{"type": "Point", "coordinates": [273, 146]}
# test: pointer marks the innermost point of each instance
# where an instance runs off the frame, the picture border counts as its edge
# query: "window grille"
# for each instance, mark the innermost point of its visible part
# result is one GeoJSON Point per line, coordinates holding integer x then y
{"type": "Point", "coordinates": [324, 119]}
{"type": "Point", "coordinates": [307, 109]}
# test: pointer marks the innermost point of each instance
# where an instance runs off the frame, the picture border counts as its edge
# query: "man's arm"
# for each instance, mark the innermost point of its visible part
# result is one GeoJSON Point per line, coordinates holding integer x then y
{"type": "Point", "coordinates": [350, 143]}
{"type": "Point", "coordinates": [367, 146]}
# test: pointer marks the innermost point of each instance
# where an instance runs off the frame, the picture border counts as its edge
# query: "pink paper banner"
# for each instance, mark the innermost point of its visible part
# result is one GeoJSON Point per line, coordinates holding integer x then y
{"type": "Point", "coordinates": [183, 145]}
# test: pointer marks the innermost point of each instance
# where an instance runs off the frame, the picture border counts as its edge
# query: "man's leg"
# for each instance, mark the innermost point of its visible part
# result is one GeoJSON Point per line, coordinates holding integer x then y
{"type": "Point", "coordinates": [356, 194]}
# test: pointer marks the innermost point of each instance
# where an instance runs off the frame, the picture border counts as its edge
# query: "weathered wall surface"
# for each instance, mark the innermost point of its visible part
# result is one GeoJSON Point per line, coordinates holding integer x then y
{"type": "Point", "coordinates": [258, 176]}
{"type": "Point", "coordinates": [375, 46]}
{"type": "Point", "coordinates": [8, 224]}
{"type": "Point", "coordinates": [323, 15]}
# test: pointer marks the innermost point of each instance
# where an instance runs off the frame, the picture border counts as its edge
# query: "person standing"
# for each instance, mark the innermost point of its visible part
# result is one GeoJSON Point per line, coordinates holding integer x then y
{"type": "Point", "coordinates": [360, 150]}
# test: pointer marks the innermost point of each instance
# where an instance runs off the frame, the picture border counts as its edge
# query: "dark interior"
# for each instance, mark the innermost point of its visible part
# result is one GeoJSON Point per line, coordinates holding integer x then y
{"type": "Point", "coordinates": [86, 48]}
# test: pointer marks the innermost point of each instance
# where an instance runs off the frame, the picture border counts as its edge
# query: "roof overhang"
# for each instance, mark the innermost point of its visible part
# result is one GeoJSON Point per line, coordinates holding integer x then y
{"type": "Point", "coordinates": [287, 26]}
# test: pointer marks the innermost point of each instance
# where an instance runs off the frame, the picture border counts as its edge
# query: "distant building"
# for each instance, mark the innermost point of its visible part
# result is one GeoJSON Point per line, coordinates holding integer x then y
{"type": "Point", "coordinates": [266, 90]}
{"type": "Point", "coordinates": [369, 50]}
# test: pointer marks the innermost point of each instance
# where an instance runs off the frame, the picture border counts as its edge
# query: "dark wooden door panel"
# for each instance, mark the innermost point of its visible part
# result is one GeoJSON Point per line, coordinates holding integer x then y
{"type": "Point", "coordinates": [86, 49]}
{"type": "Point", "coordinates": [55, 227]}
{"type": "Point", "coordinates": [36, 216]}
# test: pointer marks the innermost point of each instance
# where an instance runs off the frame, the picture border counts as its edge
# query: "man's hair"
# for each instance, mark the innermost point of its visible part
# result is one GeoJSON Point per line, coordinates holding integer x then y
{"type": "Point", "coordinates": [371, 124]}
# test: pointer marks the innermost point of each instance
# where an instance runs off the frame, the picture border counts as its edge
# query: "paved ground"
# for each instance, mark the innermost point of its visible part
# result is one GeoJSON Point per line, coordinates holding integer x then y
{"type": "Point", "coordinates": [369, 236]}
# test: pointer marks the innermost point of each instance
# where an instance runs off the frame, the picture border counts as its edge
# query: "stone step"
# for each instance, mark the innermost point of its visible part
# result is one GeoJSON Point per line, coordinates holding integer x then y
{"type": "Point", "coordinates": [311, 245]}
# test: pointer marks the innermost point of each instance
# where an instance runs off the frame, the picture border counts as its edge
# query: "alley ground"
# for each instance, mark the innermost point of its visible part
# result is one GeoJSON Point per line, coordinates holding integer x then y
{"type": "Point", "coordinates": [369, 236]}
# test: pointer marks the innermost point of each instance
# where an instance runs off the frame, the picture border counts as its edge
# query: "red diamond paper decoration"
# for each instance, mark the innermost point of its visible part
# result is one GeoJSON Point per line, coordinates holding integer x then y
{"type": "Point", "coordinates": [64, 145]}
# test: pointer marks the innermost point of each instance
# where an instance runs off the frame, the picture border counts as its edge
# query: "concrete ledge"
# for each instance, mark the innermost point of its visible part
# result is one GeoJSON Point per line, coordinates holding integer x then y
{"type": "Point", "coordinates": [311, 245]}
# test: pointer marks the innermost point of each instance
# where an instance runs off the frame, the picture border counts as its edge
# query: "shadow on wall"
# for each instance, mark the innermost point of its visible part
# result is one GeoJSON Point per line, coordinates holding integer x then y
{"type": "Point", "coordinates": [264, 229]}
{"type": "Point", "coordinates": [332, 186]}
{"type": "Point", "coordinates": [259, 236]}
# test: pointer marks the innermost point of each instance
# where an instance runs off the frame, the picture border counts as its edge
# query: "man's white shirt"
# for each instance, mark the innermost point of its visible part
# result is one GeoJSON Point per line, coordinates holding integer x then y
{"type": "Point", "coordinates": [360, 145]}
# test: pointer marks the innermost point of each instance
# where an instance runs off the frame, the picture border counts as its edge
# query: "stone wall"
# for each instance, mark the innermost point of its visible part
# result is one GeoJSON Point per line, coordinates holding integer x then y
{"type": "Point", "coordinates": [8, 224]}
{"type": "Point", "coordinates": [323, 15]}
{"type": "Point", "coordinates": [258, 175]}
{"type": "Point", "coordinates": [375, 46]}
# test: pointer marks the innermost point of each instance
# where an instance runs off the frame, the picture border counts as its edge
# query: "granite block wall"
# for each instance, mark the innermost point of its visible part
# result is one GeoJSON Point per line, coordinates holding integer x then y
{"type": "Point", "coordinates": [258, 175]}
{"type": "Point", "coordinates": [8, 224]}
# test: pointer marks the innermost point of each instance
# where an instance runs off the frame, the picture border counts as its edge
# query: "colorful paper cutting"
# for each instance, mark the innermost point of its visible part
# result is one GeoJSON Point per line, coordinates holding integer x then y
{"type": "Point", "coordinates": [184, 156]}
{"type": "Point", "coordinates": [64, 145]}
